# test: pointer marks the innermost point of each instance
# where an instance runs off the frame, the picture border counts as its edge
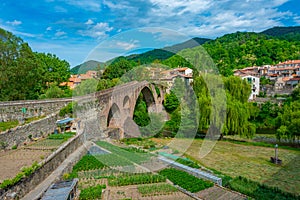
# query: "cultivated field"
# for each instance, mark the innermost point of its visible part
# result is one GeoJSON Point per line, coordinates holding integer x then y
{"type": "Point", "coordinates": [12, 161]}
{"type": "Point", "coordinates": [249, 161]}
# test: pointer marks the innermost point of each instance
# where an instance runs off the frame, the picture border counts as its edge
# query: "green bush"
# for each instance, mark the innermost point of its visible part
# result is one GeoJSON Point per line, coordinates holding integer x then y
{"type": "Point", "coordinates": [7, 125]}
{"type": "Point", "coordinates": [259, 191]}
{"type": "Point", "coordinates": [187, 162]}
{"type": "Point", "coordinates": [3, 145]}
{"type": "Point", "coordinates": [61, 136]}
{"type": "Point", "coordinates": [67, 110]}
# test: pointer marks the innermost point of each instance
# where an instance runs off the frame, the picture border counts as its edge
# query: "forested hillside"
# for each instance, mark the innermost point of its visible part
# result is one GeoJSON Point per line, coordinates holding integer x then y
{"type": "Point", "coordinates": [239, 50]}
{"type": "Point", "coordinates": [286, 33]}
{"type": "Point", "coordinates": [159, 55]}
{"type": "Point", "coordinates": [229, 52]}
{"type": "Point", "coordinates": [86, 66]}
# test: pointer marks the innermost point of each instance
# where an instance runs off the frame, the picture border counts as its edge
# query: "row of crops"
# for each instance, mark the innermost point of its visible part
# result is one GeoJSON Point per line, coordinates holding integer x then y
{"type": "Point", "coordinates": [185, 180]}
{"type": "Point", "coordinates": [88, 162]}
{"type": "Point", "coordinates": [96, 168]}
{"type": "Point", "coordinates": [124, 154]}
{"type": "Point", "coordinates": [136, 179]}
{"type": "Point", "coordinates": [156, 189]}
{"type": "Point", "coordinates": [92, 192]}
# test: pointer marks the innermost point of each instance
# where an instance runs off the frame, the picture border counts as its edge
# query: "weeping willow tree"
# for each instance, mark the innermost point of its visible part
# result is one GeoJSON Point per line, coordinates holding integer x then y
{"type": "Point", "coordinates": [236, 108]}
{"type": "Point", "coordinates": [238, 113]}
{"type": "Point", "coordinates": [237, 88]}
{"type": "Point", "coordinates": [204, 101]}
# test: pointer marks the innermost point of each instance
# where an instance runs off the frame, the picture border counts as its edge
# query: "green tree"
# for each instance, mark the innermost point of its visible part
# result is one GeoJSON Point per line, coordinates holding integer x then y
{"type": "Point", "coordinates": [19, 70]}
{"type": "Point", "coordinates": [171, 102]}
{"type": "Point", "coordinates": [86, 87]}
{"type": "Point", "coordinates": [118, 68]}
{"type": "Point", "coordinates": [25, 74]}
{"type": "Point", "coordinates": [141, 116]}
{"type": "Point", "coordinates": [52, 69]}
{"type": "Point", "coordinates": [53, 92]}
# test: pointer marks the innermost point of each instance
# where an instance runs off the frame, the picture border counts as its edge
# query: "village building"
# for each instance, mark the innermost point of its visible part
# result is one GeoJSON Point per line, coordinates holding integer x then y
{"type": "Point", "coordinates": [76, 79]}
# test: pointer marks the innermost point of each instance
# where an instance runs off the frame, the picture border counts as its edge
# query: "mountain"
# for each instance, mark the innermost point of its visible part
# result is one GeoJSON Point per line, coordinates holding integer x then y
{"type": "Point", "coordinates": [167, 52]}
{"type": "Point", "coordinates": [187, 44]}
{"type": "Point", "coordinates": [245, 49]}
{"type": "Point", "coordinates": [86, 66]}
{"type": "Point", "coordinates": [291, 33]}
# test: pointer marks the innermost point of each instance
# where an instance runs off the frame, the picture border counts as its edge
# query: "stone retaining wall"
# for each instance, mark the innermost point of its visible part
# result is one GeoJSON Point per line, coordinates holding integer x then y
{"type": "Point", "coordinates": [47, 167]}
{"type": "Point", "coordinates": [20, 134]}
{"type": "Point", "coordinates": [12, 110]}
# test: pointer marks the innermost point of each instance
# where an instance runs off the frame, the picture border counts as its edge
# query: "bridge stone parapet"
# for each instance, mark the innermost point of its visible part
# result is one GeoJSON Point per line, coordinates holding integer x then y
{"type": "Point", "coordinates": [12, 110]}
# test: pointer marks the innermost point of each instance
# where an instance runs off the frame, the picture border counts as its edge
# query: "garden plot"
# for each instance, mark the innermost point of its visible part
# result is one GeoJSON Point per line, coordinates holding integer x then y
{"type": "Point", "coordinates": [160, 191]}
{"type": "Point", "coordinates": [118, 175]}
{"type": "Point", "coordinates": [13, 160]}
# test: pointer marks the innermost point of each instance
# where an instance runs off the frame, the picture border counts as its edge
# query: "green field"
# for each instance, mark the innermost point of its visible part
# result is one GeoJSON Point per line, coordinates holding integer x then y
{"type": "Point", "coordinates": [252, 162]}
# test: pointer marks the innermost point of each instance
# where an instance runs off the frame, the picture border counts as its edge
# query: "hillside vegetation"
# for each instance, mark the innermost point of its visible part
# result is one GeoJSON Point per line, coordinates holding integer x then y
{"type": "Point", "coordinates": [86, 66]}
{"type": "Point", "coordinates": [239, 50]}
{"type": "Point", "coordinates": [286, 33]}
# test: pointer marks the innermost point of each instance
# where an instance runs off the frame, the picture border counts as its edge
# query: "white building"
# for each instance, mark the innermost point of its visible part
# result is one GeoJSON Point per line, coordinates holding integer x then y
{"type": "Point", "coordinates": [254, 82]}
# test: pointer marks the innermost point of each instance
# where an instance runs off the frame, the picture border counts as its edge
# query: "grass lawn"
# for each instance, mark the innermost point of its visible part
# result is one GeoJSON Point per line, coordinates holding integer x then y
{"type": "Point", "coordinates": [252, 162]}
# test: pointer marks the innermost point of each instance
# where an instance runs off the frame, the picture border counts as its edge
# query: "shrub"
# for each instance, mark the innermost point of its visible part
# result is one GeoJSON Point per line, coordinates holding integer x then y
{"type": "Point", "coordinates": [257, 190]}
{"type": "Point", "coordinates": [3, 145]}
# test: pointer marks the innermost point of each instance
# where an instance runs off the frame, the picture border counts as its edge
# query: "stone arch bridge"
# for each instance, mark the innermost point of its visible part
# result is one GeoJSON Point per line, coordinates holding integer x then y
{"type": "Point", "coordinates": [110, 112]}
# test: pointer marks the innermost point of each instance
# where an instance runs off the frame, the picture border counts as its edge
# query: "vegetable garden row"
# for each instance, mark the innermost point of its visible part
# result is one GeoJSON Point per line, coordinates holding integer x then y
{"type": "Point", "coordinates": [104, 166]}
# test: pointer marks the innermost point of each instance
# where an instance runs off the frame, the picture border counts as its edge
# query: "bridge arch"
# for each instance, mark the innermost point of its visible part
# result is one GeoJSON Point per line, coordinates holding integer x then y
{"type": "Point", "coordinates": [126, 102]}
{"type": "Point", "coordinates": [149, 98]}
{"type": "Point", "coordinates": [114, 115]}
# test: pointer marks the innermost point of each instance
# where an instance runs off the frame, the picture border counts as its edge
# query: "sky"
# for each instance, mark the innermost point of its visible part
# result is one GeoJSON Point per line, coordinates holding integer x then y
{"type": "Point", "coordinates": [80, 30]}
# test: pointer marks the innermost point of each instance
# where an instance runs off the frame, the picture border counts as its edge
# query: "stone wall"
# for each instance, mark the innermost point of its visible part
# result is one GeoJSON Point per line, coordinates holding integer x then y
{"type": "Point", "coordinates": [18, 135]}
{"type": "Point", "coordinates": [12, 110]}
{"type": "Point", "coordinates": [48, 166]}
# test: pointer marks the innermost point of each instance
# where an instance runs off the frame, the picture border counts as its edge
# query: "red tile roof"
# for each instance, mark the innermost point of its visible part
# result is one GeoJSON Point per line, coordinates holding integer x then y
{"type": "Point", "coordinates": [289, 62]}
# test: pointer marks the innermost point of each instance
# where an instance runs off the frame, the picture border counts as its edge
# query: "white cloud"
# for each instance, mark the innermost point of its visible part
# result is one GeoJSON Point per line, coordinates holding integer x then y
{"type": "Point", "coordinates": [60, 33]}
{"type": "Point", "coordinates": [89, 22]}
{"type": "Point", "coordinates": [163, 34]}
{"type": "Point", "coordinates": [19, 33]}
{"type": "Point", "coordinates": [99, 30]}
{"type": "Point", "coordinates": [60, 9]}
{"type": "Point", "coordinates": [127, 45]}
{"type": "Point", "coordinates": [221, 17]}
{"type": "Point", "coordinates": [49, 28]}
{"type": "Point", "coordinates": [117, 5]}
{"type": "Point", "coordinates": [297, 19]}
{"type": "Point", "coordinates": [14, 23]}
{"type": "Point", "coordinates": [89, 5]}
{"type": "Point", "coordinates": [179, 7]}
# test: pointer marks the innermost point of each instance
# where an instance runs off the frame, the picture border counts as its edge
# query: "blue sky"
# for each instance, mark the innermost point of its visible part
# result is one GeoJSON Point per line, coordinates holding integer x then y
{"type": "Point", "coordinates": [78, 30]}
